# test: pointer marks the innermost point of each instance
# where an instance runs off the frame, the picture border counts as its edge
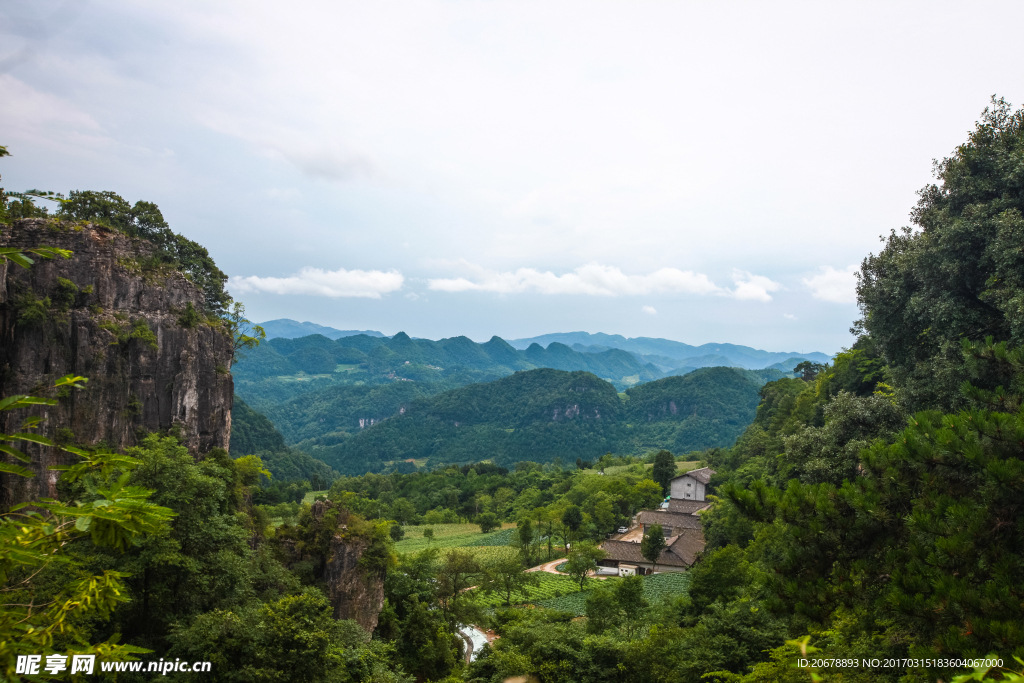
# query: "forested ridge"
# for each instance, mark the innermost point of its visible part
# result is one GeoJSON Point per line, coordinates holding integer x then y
{"type": "Point", "coordinates": [321, 393]}
{"type": "Point", "coordinates": [535, 415]}
{"type": "Point", "coordinates": [871, 508]}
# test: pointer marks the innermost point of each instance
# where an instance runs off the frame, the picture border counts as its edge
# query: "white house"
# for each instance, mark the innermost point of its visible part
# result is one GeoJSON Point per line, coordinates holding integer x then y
{"type": "Point", "coordinates": [690, 486]}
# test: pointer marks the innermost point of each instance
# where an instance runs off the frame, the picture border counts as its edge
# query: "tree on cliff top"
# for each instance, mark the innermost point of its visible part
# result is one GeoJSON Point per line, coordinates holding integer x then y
{"type": "Point", "coordinates": [144, 220]}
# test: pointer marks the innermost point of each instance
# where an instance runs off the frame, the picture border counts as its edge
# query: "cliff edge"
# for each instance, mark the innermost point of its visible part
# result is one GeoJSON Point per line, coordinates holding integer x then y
{"type": "Point", "coordinates": [133, 326]}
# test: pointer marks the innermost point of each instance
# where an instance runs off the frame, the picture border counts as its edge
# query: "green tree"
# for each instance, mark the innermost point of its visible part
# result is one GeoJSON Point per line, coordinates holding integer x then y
{"type": "Point", "coordinates": [646, 494]}
{"type": "Point", "coordinates": [506, 576]}
{"type": "Point", "coordinates": [664, 470]}
{"type": "Point", "coordinates": [459, 571]}
{"type": "Point", "coordinates": [629, 596]}
{"type": "Point", "coordinates": [49, 599]}
{"type": "Point", "coordinates": [144, 220]}
{"type": "Point", "coordinates": [524, 539]}
{"type": "Point", "coordinates": [244, 334]}
{"type": "Point", "coordinates": [721, 575]}
{"type": "Point", "coordinates": [653, 544]}
{"type": "Point", "coordinates": [295, 638]}
{"type": "Point", "coordinates": [601, 609]}
{"type": "Point", "coordinates": [807, 370]}
{"type": "Point", "coordinates": [428, 534]}
{"type": "Point", "coordinates": [572, 518]}
{"type": "Point", "coordinates": [582, 561]}
{"type": "Point", "coordinates": [960, 274]}
{"type": "Point", "coordinates": [488, 522]}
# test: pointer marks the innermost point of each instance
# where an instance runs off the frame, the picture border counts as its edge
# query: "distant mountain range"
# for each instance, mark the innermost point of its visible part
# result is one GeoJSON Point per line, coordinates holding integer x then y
{"type": "Point", "coordinates": [665, 354]}
{"type": "Point", "coordinates": [647, 348]}
{"type": "Point", "coordinates": [290, 329]}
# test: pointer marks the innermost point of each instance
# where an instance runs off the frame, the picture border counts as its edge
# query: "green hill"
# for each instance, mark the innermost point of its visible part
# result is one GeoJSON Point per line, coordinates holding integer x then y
{"type": "Point", "coordinates": [253, 434]}
{"type": "Point", "coordinates": [544, 414]}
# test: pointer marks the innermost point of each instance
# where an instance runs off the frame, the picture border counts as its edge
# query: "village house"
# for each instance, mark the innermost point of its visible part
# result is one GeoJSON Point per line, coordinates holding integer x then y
{"type": "Point", "coordinates": [680, 523]}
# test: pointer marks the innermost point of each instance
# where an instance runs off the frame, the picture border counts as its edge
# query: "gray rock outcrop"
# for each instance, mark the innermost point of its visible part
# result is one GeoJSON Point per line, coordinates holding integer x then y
{"type": "Point", "coordinates": [118, 323]}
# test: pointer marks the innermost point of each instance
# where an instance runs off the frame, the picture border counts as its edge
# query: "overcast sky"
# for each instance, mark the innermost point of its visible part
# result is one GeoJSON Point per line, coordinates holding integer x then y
{"type": "Point", "coordinates": [699, 171]}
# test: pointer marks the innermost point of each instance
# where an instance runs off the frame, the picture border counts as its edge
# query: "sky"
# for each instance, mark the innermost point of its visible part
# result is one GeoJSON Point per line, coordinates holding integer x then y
{"type": "Point", "coordinates": [698, 171]}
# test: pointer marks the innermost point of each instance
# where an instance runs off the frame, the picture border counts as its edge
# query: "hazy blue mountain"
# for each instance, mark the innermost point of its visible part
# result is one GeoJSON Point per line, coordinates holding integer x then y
{"type": "Point", "coordinates": [788, 364]}
{"type": "Point", "coordinates": [290, 329]}
{"type": "Point", "coordinates": [711, 360]}
{"type": "Point", "coordinates": [742, 356]}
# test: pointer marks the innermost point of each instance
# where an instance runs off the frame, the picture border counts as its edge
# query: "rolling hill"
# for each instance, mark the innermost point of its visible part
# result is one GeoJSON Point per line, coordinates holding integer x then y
{"type": "Point", "coordinates": [544, 414]}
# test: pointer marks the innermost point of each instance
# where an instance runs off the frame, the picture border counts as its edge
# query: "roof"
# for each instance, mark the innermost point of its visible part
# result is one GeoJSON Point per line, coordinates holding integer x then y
{"type": "Point", "coordinates": [681, 552]}
{"type": "Point", "coordinates": [688, 545]}
{"type": "Point", "coordinates": [676, 520]}
{"type": "Point", "coordinates": [703, 475]}
{"type": "Point", "coordinates": [687, 507]}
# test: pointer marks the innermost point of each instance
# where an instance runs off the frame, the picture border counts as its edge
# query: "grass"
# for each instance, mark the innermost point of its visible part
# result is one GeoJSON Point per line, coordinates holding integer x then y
{"type": "Point", "coordinates": [346, 368]}
{"type": "Point", "coordinates": [419, 462]}
{"type": "Point", "coordinates": [299, 378]}
{"type": "Point", "coordinates": [311, 496]}
{"type": "Point", "coordinates": [681, 468]}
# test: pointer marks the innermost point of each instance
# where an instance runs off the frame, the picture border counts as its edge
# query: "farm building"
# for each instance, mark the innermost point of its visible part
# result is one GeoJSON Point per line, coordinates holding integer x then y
{"type": "Point", "coordinates": [687, 507]}
{"type": "Point", "coordinates": [690, 486]}
{"type": "Point", "coordinates": [671, 522]}
{"type": "Point", "coordinates": [681, 552]}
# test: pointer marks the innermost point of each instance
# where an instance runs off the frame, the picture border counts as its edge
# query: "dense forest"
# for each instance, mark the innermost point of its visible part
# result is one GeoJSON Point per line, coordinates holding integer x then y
{"type": "Point", "coordinates": [333, 399]}
{"type": "Point", "coordinates": [536, 415]}
{"type": "Point", "coordinates": [870, 509]}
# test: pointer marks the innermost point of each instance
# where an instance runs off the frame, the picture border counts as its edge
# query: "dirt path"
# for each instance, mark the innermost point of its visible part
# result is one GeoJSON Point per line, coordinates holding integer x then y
{"type": "Point", "coordinates": [548, 567]}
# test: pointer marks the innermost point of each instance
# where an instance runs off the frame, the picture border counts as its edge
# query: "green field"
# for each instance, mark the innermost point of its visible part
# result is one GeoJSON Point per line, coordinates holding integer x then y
{"type": "Point", "coordinates": [311, 496]}
{"type": "Point", "coordinates": [681, 468]}
{"type": "Point", "coordinates": [453, 536]}
{"type": "Point", "coordinates": [552, 586]}
{"type": "Point", "coordinates": [656, 587]}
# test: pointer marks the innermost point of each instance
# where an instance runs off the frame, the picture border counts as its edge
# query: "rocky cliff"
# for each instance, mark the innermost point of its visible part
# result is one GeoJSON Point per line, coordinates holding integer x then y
{"type": "Point", "coordinates": [114, 314]}
{"type": "Point", "coordinates": [355, 592]}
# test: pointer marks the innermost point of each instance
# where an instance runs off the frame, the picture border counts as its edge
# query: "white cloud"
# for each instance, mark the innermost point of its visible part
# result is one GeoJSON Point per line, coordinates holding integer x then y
{"type": "Point", "coordinates": [368, 284]}
{"type": "Point", "coordinates": [837, 286]}
{"type": "Point", "coordinates": [593, 279]}
{"type": "Point", "coordinates": [750, 287]}
{"type": "Point", "coordinates": [650, 310]}
{"type": "Point", "coordinates": [789, 316]}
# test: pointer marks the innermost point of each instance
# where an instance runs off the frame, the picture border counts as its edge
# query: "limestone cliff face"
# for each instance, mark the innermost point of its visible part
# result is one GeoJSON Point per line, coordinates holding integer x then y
{"type": "Point", "coordinates": [354, 594]}
{"type": "Point", "coordinates": [121, 325]}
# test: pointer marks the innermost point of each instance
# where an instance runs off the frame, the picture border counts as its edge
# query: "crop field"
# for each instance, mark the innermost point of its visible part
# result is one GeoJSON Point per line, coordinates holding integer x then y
{"type": "Point", "coordinates": [656, 587]}
{"type": "Point", "coordinates": [681, 468]}
{"type": "Point", "coordinates": [552, 587]}
{"type": "Point", "coordinates": [451, 536]}
{"type": "Point", "coordinates": [503, 538]}
{"type": "Point", "coordinates": [311, 496]}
